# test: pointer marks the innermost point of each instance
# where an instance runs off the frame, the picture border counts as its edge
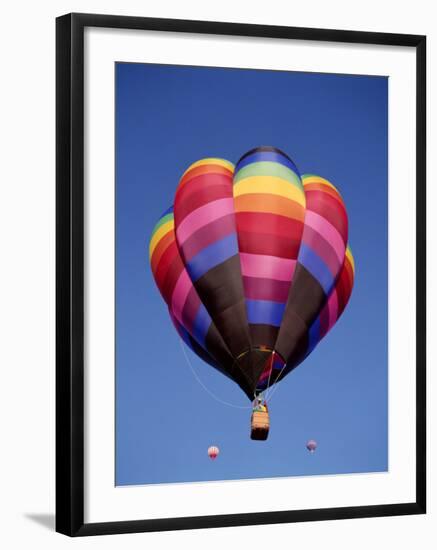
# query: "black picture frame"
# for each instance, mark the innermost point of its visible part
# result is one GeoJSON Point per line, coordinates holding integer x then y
{"type": "Point", "coordinates": [70, 273]}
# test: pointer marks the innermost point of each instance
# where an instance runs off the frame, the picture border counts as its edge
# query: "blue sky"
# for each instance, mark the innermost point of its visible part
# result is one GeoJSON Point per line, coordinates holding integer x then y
{"type": "Point", "coordinates": [332, 125]}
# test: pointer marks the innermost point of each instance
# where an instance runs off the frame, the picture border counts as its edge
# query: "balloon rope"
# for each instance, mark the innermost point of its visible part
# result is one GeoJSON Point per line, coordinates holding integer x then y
{"type": "Point", "coordinates": [274, 388]}
{"type": "Point", "coordinates": [203, 385]}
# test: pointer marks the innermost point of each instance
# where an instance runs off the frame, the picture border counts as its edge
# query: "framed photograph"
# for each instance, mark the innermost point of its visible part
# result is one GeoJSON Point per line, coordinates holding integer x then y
{"type": "Point", "coordinates": [240, 274]}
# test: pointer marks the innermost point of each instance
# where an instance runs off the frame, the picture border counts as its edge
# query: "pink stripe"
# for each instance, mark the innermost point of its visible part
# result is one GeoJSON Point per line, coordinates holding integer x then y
{"type": "Point", "coordinates": [203, 216]}
{"type": "Point", "coordinates": [333, 309]}
{"type": "Point", "coordinates": [205, 236]}
{"type": "Point", "coordinates": [318, 244]}
{"type": "Point", "coordinates": [327, 231]}
{"type": "Point", "coordinates": [267, 267]}
{"type": "Point", "coordinates": [180, 293]}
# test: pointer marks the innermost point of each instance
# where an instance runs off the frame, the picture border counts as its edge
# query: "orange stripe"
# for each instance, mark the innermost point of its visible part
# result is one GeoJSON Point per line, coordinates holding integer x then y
{"type": "Point", "coordinates": [349, 271]}
{"type": "Point", "coordinates": [323, 189]}
{"type": "Point", "coordinates": [273, 204]}
{"type": "Point", "coordinates": [160, 248]}
{"type": "Point", "coordinates": [350, 258]}
{"type": "Point", "coordinates": [308, 179]}
{"type": "Point", "coordinates": [205, 169]}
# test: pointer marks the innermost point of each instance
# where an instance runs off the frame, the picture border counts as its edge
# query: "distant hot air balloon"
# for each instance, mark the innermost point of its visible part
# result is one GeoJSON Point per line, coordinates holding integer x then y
{"type": "Point", "coordinates": [254, 264]}
{"type": "Point", "coordinates": [311, 445]}
{"type": "Point", "coordinates": [213, 452]}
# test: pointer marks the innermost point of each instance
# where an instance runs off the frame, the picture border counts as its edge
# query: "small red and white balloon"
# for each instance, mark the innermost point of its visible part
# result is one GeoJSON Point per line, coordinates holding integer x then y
{"type": "Point", "coordinates": [311, 445]}
{"type": "Point", "coordinates": [213, 452]}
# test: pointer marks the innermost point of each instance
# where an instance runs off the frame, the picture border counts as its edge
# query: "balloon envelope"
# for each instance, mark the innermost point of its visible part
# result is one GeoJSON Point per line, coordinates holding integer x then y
{"type": "Point", "coordinates": [213, 452]}
{"type": "Point", "coordinates": [253, 263]}
{"type": "Point", "coordinates": [311, 445]}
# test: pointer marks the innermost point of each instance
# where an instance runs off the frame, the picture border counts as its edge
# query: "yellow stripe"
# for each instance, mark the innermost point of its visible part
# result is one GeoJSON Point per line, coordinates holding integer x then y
{"type": "Point", "coordinates": [216, 161]}
{"type": "Point", "coordinates": [269, 185]}
{"type": "Point", "coordinates": [306, 180]}
{"type": "Point", "coordinates": [350, 258]}
{"type": "Point", "coordinates": [162, 231]}
{"type": "Point", "coordinates": [270, 204]}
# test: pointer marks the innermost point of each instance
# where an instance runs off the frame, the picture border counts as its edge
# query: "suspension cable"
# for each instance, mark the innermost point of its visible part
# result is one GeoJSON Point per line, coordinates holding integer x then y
{"type": "Point", "coordinates": [274, 388]}
{"type": "Point", "coordinates": [196, 376]}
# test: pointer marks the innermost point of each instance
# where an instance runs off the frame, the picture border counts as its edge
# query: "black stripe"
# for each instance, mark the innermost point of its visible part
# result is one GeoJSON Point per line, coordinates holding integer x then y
{"type": "Point", "coordinates": [221, 292]}
{"type": "Point", "coordinates": [263, 335]}
{"type": "Point", "coordinates": [305, 300]}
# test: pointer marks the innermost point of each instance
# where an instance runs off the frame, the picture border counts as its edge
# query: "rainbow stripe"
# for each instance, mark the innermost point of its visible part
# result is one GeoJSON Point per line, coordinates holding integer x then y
{"type": "Point", "coordinates": [204, 215]}
{"type": "Point", "coordinates": [325, 233]}
{"type": "Point", "coordinates": [174, 282]}
{"type": "Point", "coordinates": [206, 236]}
{"type": "Point", "coordinates": [270, 208]}
{"type": "Point", "coordinates": [253, 264]}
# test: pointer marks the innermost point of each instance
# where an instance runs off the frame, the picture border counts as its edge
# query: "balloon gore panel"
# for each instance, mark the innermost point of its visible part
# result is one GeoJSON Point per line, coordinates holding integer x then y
{"type": "Point", "coordinates": [253, 263]}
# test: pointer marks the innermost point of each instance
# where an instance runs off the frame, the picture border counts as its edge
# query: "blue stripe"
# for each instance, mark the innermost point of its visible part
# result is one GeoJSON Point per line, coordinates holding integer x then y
{"type": "Point", "coordinates": [267, 156]}
{"type": "Point", "coordinates": [313, 335]}
{"type": "Point", "coordinates": [264, 312]}
{"type": "Point", "coordinates": [212, 255]}
{"type": "Point", "coordinates": [277, 364]}
{"type": "Point", "coordinates": [201, 325]}
{"type": "Point", "coordinates": [317, 267]}
{"type": "Point", "coordinates": [167, 211]}
{"type": "Point", "coordinates": [195, 347]}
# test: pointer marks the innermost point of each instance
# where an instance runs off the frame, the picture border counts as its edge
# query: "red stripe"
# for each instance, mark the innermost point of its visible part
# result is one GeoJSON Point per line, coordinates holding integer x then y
{"type": "Point", "coordinates": [200, 191]}
{"type": "Point", "coordinates": [323, 189]}
{"type": "Point", "coordinates": [166, 261]}
{"type": "Point", "coordinates": [274, 224]}
{"type": "Point", "coordinates": [205, 169]}
{"type": "Point", "coordinates": [344, 289]}
{"type": "Point", "coordinates": [173, 273]}
{"type": "Point", "coordinates": [160, 248]}
{"type": "Point", "coordinates": [266, 289]}
{"type": "Point", "coordinates": [331, 209]}
{"type": "Point", "coordinates": [272, 245]}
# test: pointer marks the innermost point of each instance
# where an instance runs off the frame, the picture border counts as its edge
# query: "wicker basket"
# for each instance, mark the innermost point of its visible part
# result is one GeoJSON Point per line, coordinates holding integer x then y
{"type": "Point", "coordinates": [260, 425]}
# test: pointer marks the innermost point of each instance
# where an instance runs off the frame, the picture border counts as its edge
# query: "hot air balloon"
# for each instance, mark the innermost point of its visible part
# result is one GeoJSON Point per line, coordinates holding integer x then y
{"type": "Point", "coordinates": [311, 445]}
{"type": "Point", "coordinates": [254, 265]}
{"type": "Point", "coordinates": [213, 452]}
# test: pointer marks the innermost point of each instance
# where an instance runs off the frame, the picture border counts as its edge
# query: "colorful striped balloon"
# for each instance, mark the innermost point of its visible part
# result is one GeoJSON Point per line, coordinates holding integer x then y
{"type": "Point", "coordinates": [253, 263]}
{"type": "Point", "coordinates": [189, 316]}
